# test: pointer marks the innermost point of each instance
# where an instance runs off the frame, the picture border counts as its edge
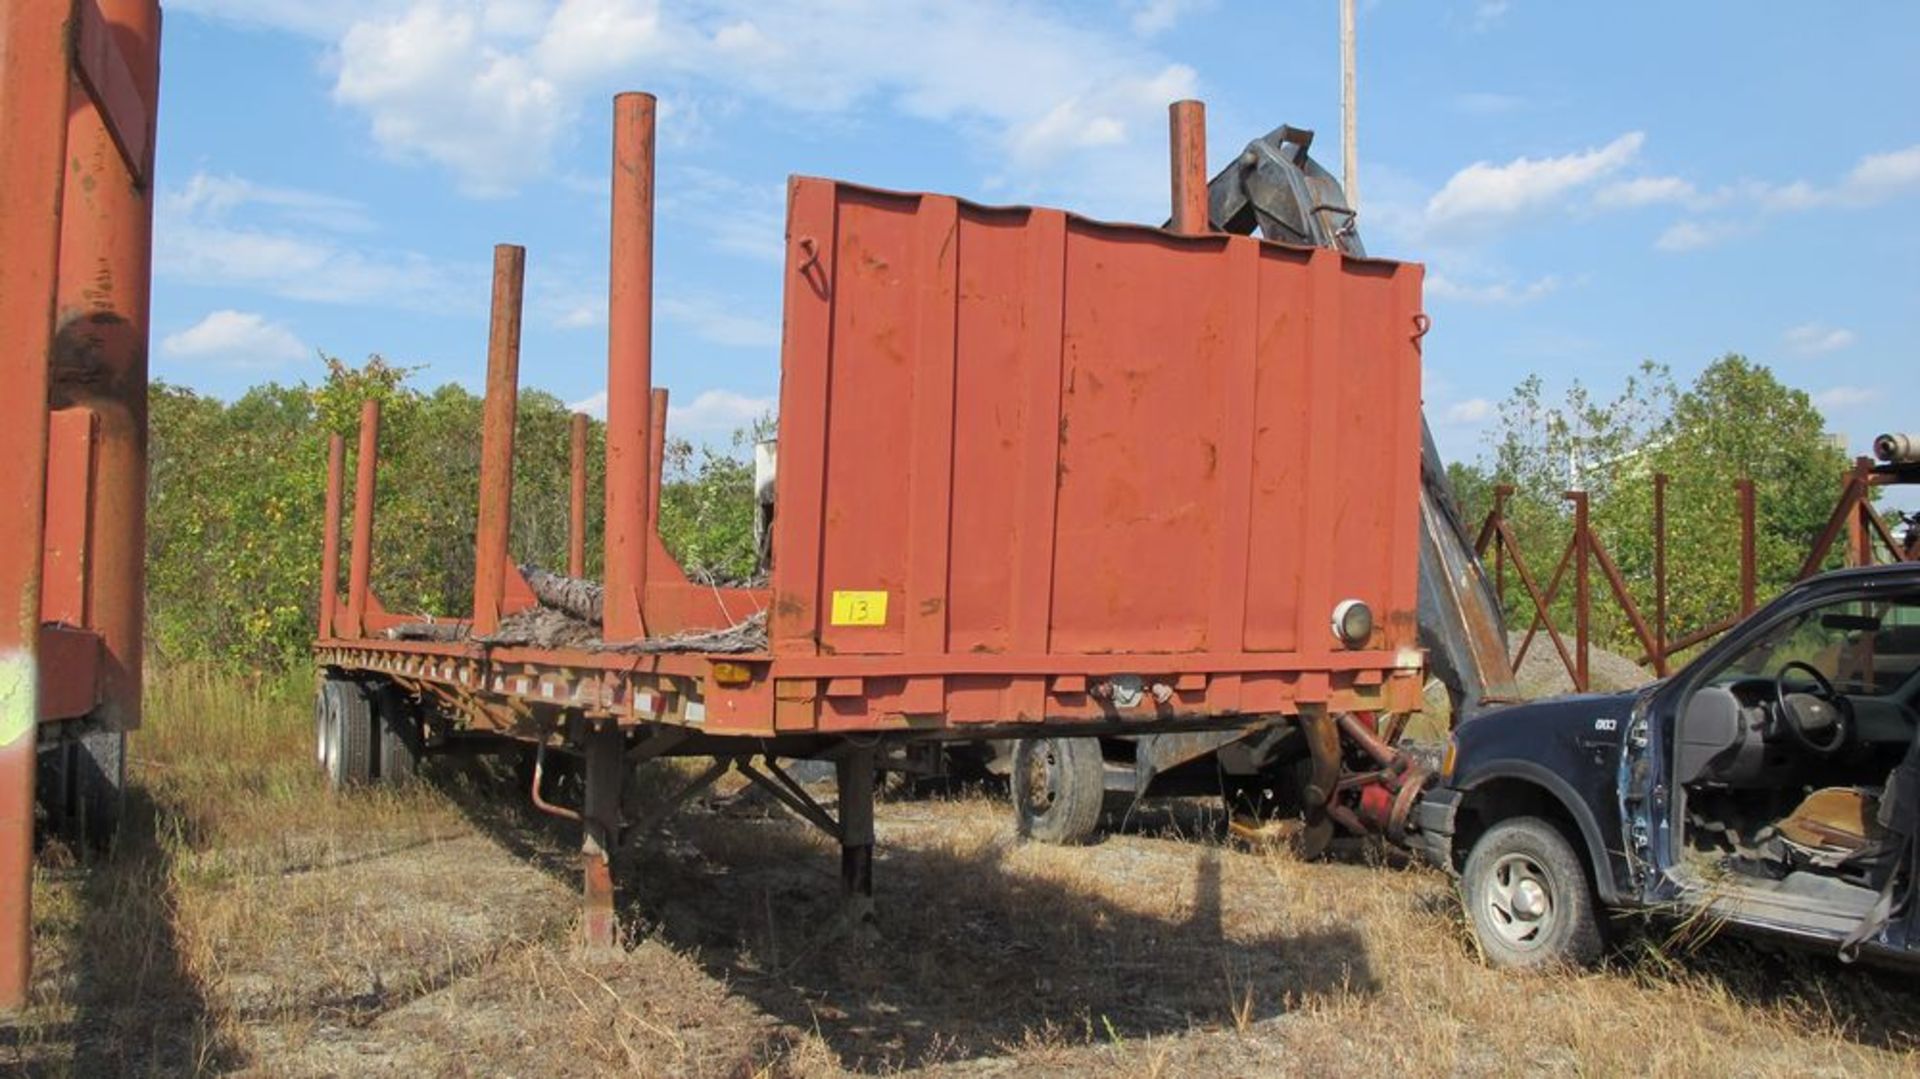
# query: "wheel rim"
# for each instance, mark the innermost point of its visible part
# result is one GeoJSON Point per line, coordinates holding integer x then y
{"type": "Point", "coordinates": [1043, 777]}
{"type": "Point", "coordinates": [1519, 902]}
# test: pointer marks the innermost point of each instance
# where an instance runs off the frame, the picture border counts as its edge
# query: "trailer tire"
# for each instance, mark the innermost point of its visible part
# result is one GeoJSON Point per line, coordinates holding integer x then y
{"type": "Point", "coordinates": [399, 730]}
{"type": "Point", "coordinates": [346, 722]}
{"type": "Point", "coordinates": [1059, 789]}
{"type": "Point", "coordinates": [1528, 897]}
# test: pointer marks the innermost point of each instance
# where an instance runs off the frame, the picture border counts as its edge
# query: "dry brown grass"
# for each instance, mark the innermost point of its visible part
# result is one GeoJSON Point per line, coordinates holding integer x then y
{"type": "Point", "coordinates": [251, 920]}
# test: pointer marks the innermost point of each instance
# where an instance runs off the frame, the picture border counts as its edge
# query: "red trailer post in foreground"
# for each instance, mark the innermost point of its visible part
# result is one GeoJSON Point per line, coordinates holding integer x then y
{"type": "Point", "coordinates": [78, 86]}
{"type": "Point", "coordinates": [1036, 473]}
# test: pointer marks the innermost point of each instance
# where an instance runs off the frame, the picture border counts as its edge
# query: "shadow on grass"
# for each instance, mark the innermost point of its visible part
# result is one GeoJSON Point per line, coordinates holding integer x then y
{"type": "Point", "coordinates": [970, 957]}
{"type": "Point", "coordinates": [112, 990]}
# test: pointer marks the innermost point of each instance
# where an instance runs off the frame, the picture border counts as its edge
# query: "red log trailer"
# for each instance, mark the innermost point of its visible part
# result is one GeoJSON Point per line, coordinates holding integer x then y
{"type": "Point", "coordinates": [1037, 474]}
{"type": "Point", "coordinates": [78, 89]}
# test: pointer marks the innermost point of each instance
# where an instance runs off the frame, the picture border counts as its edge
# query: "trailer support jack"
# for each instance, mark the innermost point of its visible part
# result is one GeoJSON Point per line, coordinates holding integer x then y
{"type": "Point", "coordinates": [606, 775]}
{"type": "Point", "coordinates": [855, 775]}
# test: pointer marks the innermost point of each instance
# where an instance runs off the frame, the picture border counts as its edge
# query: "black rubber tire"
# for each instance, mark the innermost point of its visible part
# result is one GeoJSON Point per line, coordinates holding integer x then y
{"type": "Point", "coordinates": [81, 785]}
{"type": "Point", "coordinates": [1529, 849]}
{"type": "Point", "coordinates": [399, 727]}
{"type": "Point", "coordinates": [348, 735]}
{"type": "Point", "coordinates": [100, 769]}
{"type": "Point", "coordinates": [1059, 789]}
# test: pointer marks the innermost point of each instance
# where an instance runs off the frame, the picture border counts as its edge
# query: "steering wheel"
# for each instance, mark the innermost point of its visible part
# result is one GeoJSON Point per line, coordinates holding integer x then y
{"type": "Point", "coordinates": [1817, 717]}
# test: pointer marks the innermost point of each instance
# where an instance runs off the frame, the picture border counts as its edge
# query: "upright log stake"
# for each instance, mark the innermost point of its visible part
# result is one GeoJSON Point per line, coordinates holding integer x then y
{"type": "Point", "coordinates": [1188, 143]}
{"type": "Point", "coordinates": [366, 477]}
{"type": "Point", "coordinates": [629, 525]}
{"type": "Point", "coordinates": [496, 439]}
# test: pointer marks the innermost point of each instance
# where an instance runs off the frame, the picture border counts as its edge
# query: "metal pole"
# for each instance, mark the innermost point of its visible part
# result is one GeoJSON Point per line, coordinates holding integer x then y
{"type": "Point", "coordinates": [330, 545]}
{"type": "Point", "coordinates": [629, 527]}
{"type": "Point", "coordinates": [577, 501]}
{"type": "Point", "coordinates": [1349, 144]}
{"type": "Point", "coordinates": [854, 771]}
{"type": "Point", "coordinates": [100, 357]}
{"type": "Point", "coordinates": [605, 765]}
{"type": "Point", "coordinates": [1500, 495]}
{"type": "Point", "coordinates": [1187, 130]}
{"type": "Point", "coordinates": [1660, 567]}
{"type": "Point", "coordinates": [496, 439]}
{"type": "Point", "coordinates": [360, 561]}
{"type": "Point", "coordinates": [1582, 594]}
{"type": "Point", "coordinates": [33, 114]}
{"type": "Point", "coordinates": [1746, 546]}
{"type": "Point", "coordinates": [656, 470]}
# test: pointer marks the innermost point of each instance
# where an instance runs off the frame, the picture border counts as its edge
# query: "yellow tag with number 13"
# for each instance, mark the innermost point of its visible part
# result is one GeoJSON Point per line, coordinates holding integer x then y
{"type": "Point", "coordinates": [859, 608]}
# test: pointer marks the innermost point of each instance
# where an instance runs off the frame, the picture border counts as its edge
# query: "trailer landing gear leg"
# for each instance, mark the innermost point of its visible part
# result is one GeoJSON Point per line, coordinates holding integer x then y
{"type": "Point", "coordinates": [856, 834]}
{"type": "Point", "coordinates": [606, 773]}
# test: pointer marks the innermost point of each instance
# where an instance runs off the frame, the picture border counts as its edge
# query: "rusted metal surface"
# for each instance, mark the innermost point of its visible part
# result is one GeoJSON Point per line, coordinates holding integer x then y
{"type": "Point", "coordinates": [629, 525]}
{"type": "Point", "coordinates": [496, 440]}
{"type": "Point", "coordinates": [100, 353]}
{"type": "Point", "coordinates": [1135, 407]}
{"type": "Point", "coordinates": [360, 561]}
{"type": "Point", "coordinates": [33, 114]}
{"type": "Point", "coordinates": [576, 497]}
{"type": "Point", "coordinates": [72, 451]}
{"type": "Point", "coordinates": [1187, 134]}
{"type": "Point", "coordinates": [605, 768]}
{"type": "Point", "coordinates": [330, 537]}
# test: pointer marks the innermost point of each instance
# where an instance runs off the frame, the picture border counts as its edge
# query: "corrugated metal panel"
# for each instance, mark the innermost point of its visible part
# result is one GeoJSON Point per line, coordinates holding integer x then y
{"type": "Point", "coordinates": [1037, 435]}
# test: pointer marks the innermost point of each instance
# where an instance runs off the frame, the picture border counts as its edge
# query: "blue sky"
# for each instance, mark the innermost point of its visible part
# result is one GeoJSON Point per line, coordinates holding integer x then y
{"type": "Point", "coordinates": [1590, 185]}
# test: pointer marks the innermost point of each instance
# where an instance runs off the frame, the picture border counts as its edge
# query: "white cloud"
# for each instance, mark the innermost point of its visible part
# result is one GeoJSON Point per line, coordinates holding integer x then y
{"type": "Point", "coordinates": [1152, 17]}
{"type": "Point", "coordinates": [1646, 191]}
{"type": "Point", "coordinates": [1844, 397]}
{"type": "Point", "coordinates": [228, 232]}
{"type": "Point", "coordinates": [1695, 235]}
{"type": "Point", "coordinates": [581, 316]}
{"type": "Point", "coordinates": [1813, 338]}
{"type": "Point", "coordinates": [488, 89]}
{"type": "Point", "coordinates": [235, 339]}
{"type": "Point", "coordinates": [712, 412]}
{"type": "Point", "coordinates": [1496, 292]}
{"type": "Point", "coordinates": [1484, 192]}
{"type": "Point", "coordinates": [435, 88]}
{"type": "Point", "coordinates": [1488, 12]}
{"type": "Point", "coordinates": [1881, 176]}
{"type": "Point", "coordinates": [1472, 410]}
{"type": "Point", "coordinates": [712, 319]}
{"type": "Point", "coordinates": [718, 412]}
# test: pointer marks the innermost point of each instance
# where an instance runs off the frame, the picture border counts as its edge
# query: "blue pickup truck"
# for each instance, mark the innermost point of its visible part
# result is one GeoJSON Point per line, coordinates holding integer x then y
{"type": "Point", "coordinates": [1770, 786]}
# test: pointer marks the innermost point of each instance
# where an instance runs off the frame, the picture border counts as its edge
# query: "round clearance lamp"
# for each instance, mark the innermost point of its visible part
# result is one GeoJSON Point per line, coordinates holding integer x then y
{"type": "Point", "coordinates": [1352, 622]}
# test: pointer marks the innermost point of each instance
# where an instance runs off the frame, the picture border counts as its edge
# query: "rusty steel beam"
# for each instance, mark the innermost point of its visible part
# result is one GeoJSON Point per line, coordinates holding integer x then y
{"type": "Point", "coordinates": [330, 542]}
{"type": "Point", "coordinates": [33, 115]}
{"type": "Point", "coordinates": [1851, 492]}
{"type": "Point", "coordinates": [657, 463]}
{"type": "Point", "coordinates": [629, 524]}
{"type": "Point", "coordinates": [99, 358]}
{"type": "Point", "coordinates": [577, 497]}
{"type": "Point", "coordinates": [1187, 132]}
{"type": "Point", "coordinates": [1582, 591]}
{"type": "Point", "coordinates": [1618, 583]}
{"type": "Point", "coordinates": [496, 439]}
{"type": "Point", "coordinates": [366, 476]}
{"type": "Point", "coordinates": [1660, 652]}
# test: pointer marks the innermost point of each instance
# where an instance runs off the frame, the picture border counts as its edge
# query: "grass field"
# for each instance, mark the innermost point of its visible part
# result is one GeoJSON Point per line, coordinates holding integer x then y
{"type": "Point", "coordinates": [252, 921]}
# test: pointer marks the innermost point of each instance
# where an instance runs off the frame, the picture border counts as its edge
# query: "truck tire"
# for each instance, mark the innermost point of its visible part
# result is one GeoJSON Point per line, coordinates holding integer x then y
{"type": "Point", "coordinates": [1529, 899]}
{"type": "Point", "coordinates": [399, 730]}
{"type": "Point", "coordinates": [1059, 789]}
{"type": "Point", "coordinates": [346, 723]}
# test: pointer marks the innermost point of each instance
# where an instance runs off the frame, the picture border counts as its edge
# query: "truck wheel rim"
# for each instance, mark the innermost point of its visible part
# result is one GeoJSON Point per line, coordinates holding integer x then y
{"type": "Point", "coordinates": [1043, 770]}
{"type": "Point", "coordinates": [1519, 901]}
